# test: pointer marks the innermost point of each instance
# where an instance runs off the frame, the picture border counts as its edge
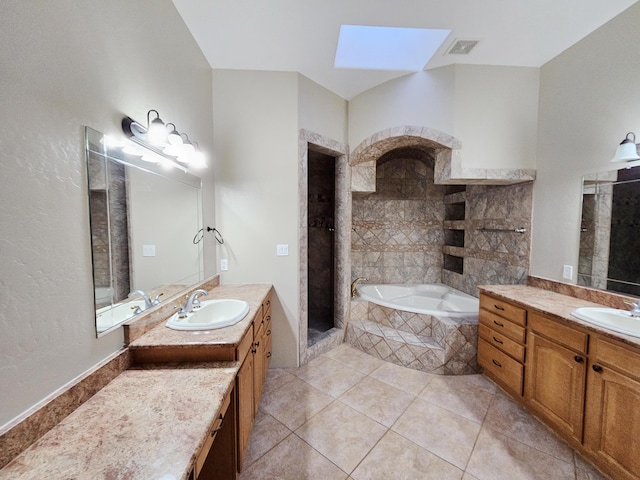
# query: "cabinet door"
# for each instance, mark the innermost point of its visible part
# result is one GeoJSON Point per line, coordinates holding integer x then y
{"type": "Point", "coordinates": [612, 421]}
{"type": "Point", "coordinates": [245, 406]}
{"type": "Point", "coordinates": [258, 368]}
{"type": "Point", "coordinates": [554, 384]}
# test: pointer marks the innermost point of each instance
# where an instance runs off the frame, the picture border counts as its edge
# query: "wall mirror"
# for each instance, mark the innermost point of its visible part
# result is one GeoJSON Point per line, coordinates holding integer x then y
{"type": "Point", "coordinates": [609, 257]}
{"type": "Point", "coordinates": [144, 219]}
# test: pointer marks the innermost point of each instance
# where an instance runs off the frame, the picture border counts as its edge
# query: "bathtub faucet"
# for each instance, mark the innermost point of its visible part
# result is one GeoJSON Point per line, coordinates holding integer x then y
{"type": "Point", "coordinates": [354, 284]}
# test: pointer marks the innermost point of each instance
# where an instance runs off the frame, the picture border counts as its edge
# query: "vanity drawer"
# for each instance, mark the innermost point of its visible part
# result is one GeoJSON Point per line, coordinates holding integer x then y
{"type": "Point", "coordinates": [562, 334]}
{"type": "Point", "coordinates": [502, 342]}
{"type": "Point", "coordinates": [623, 358]}
{"type": "Point", "coordinates": [501, 367]}
{"type": "Point", "coordinates": [505, 309]}
{"type": "Point", "coordinates": [502, 326]}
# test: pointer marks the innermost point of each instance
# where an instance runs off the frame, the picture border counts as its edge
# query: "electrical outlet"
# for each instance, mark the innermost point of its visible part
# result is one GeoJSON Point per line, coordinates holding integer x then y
{"type": "Point", "coordinates": [567, 272]}
{"type": "Point", "coordinates": [148, 250]}
{"type": "Point", "coordinates": [282, 250]}
{"type": "Point", "coordinates": [224, 264]}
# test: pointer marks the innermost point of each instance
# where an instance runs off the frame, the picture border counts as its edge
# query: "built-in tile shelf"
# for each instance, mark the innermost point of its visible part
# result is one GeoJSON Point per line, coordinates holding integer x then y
{"type": "Point", "coordinates": [455, 202]}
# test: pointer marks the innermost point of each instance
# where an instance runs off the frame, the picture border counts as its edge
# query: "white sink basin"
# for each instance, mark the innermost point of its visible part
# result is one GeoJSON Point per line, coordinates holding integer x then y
{"type": "Point", "coordinates": [611, 318]}
{"type": "Point", "coordinates": [212, 314]}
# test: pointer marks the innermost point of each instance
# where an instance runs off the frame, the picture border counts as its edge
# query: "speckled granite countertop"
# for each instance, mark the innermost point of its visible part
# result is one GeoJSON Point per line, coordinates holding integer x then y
{"type": "Point", "coordinates": [554, 304]}
{"type": "Point", "coordinates": [148, 423]}
{"type": "Point", "coordinates": [161, 336]}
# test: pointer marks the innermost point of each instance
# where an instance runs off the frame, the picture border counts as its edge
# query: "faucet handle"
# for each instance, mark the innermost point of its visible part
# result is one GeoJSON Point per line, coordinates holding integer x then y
{"type": "Point", "coordinates": [156, 300]}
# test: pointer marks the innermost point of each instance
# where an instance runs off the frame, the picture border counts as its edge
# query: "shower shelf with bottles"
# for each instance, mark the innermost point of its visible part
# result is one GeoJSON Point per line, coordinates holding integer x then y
{"type": "Point", "coordinates": [454, 228]}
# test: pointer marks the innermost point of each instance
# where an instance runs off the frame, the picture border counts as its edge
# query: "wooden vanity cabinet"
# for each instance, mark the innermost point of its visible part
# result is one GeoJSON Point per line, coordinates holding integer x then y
{"type": "Point", "coordinates": [555, 374]}
{"type": "Point", "coordinates": [501, 342]}
{"type": "Point", "coordinates": [251, 376]}
{"type": "Point", "coordinates": [217, 457]}
{"type": "Point", "coordinates": [612, 413]}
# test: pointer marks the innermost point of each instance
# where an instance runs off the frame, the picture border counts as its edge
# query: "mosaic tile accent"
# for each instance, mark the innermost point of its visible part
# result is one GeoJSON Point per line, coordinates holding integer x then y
{"type": "Point", "coordinates": [427, 343]}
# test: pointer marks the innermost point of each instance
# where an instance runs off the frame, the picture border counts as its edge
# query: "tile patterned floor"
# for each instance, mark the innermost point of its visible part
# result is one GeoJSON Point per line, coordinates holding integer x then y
{"type": "Point", "coordinates": [349, 416]}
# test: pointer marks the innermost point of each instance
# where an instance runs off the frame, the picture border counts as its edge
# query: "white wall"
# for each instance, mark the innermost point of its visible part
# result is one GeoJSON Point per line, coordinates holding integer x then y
{"type": "Point", "coordinates": [496, 113]}
{"type": "Point", "coordinates": [321, 111]}
{"type": "Point", "coordinates": [177, 260]}
{"type": "Point", "coordinates": [491, 110]}
{"type": "Point", "coordinates": [589, 100]}
{"type": "Point", "coordinates": [424, 98]}
{"type": "Point", "coordinates": [256, 171]}
{"type": "Point", "coordinates": [63, 65]}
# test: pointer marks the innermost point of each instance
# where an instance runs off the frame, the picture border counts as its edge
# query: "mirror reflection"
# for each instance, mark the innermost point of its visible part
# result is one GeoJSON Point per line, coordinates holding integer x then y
{"type": "Point", "coordinates": [610, 234]}
{"type": "Point", "coordinates": [143, 222]}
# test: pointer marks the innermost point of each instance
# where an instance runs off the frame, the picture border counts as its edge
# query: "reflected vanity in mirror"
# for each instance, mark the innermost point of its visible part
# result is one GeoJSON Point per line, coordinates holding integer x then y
{"type": "Point", "coordinates": [143, 221]}
{"type": "Point", "coordinates": [610, 231]}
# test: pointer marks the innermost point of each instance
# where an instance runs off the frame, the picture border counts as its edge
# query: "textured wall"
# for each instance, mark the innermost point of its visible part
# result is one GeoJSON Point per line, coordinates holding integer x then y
{"type": "Point", "coordinates": [64, 65]}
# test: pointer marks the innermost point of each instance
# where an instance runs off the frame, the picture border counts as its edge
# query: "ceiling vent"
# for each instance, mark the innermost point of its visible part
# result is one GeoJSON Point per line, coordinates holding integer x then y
{"type": "Point", "coordinates": [462, 47]}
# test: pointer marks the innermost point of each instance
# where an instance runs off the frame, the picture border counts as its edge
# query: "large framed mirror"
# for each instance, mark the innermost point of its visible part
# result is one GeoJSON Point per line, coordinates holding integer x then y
{"type": "Point", "coordinates": [144, 220]}
{"type": "Point", "coordinates": [609, 257]}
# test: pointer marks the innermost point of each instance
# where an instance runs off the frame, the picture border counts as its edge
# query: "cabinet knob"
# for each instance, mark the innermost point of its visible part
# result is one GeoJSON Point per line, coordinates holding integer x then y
{"type": "Point", "coordinates": [253, 351]}
{"type": "Point", "coordinates": [268, 332]}
{"type": "Point", "coordinates": [498, 323]}
{"type": "Point", "coordinates": [497, 340]}
{"type": "Point", "coordinates": [578, 359]}
{"type": "Point", "coordinates": [257, 344]}
{"type": "Point", "coordinates": [496, 363]}
{"type": "Point", "coordinates": [216, 430]}
{"type": "Point", "coordinates": [498, 307]}
{"type": "Point", "coordinates": [597, 368]}
{"type": "Point", "coordinates": [268, 354]}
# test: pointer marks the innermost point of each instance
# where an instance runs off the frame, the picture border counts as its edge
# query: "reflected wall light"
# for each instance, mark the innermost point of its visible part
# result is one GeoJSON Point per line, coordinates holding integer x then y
{"type": "Point", "coordinates": [627, 150]}
{"type": "Point", "coordinates": [170, 146]}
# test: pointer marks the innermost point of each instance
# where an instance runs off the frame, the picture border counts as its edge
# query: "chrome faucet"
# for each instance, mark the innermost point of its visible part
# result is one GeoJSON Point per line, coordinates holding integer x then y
{"type": "Point", "coordinates": [191, 301]}
{"type": "Point", "coordinates": [147, 301]}
{"type": "Point", "coordinates": [354, 284]}
{"type": "Point", "coordinates": [635, 308]}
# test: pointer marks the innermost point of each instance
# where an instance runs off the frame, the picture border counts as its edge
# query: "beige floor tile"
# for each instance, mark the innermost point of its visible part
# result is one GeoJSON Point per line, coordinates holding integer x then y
{"type": "Point", "coordinates": [586, 471]}
{"type": "Point", "coordinates": [447, 434]}
{"type": "Point", "coordinates": [402, 378]}
{"type": "Point", "coordinates": [277, 377]}
{"type": "Point", "coordinates": [461, 397]}
{"type": "Point", "coordinates": [293, 403]}
{"type": "Point", "coordinates": [508, 418]}
{"type": "Point", "coordinates": [498, 457]}
{"type": "Point", "coordinates": [293, 459]}
{"type": "Point", "coordinates": [356, 359]}
{"type": "Point", "coordinates": [377, 400]}
{"type": "Point", "coordinates": [329, 375]}
{"type": "Point", "coordinates": [468, 476]}
{"type": "Point", "coordinates": [395, 457]}
{"type": "Point", "coordinates": [341, 434]}
{"type": "Point", "coordinates": [267, 432]}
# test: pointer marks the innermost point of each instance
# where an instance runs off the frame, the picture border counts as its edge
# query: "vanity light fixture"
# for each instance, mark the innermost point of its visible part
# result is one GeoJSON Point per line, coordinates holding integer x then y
{"type": "Point", "coordinates": [627, 150]}
{"type": "Point", "coordinates": [169, 146]}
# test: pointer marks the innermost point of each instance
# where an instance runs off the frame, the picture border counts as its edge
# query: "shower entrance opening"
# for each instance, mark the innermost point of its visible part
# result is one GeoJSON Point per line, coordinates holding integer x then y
{"type": "Point", "coordinates": [321, 181]}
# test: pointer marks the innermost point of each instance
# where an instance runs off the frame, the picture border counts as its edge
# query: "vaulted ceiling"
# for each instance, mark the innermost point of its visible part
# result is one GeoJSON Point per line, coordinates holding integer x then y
{"type": "Point", "coordinates": [302, 35]}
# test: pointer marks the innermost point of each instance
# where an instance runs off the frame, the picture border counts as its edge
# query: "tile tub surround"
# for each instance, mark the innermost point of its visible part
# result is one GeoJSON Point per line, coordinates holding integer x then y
{"type": "Point", "coordinates": [144, 424]}
{"type": "Point", "coordinates": [398, 233]}
{"type": "Point", "coordinates": [422, 426]}
{"type": "Point", "coordinates": [429, 343]}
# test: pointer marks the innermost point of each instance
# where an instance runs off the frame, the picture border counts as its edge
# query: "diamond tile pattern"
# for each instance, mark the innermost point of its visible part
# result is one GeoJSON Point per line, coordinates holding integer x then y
{"type": "Point", "coordinates": [399, 423]}
{"type": "Point", "coordinates": [422, 342]}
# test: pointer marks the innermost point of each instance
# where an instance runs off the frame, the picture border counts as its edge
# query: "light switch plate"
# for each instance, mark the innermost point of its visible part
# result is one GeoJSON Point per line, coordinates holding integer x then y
{"type": "Point", "coordinates": [282, 250]}
{"type": "Point", "coordinates": [148, 250]}
{"type": "Point", "coordinates": [224, 264]}
{"type": "Point", "coordinates": [567, 272]}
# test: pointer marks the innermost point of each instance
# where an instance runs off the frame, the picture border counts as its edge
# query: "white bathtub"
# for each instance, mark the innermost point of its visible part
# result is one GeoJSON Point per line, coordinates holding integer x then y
{"type": "Point", "coordinates": [428, 299]}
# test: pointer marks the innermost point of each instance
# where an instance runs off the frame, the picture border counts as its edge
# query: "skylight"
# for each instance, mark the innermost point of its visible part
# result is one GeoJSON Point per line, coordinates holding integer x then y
{"type": "Point", "coordinates": [387, 48]}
